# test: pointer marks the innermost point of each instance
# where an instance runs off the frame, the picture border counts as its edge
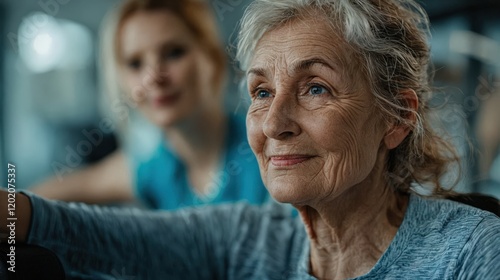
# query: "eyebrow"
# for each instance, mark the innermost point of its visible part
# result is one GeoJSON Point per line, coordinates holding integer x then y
{"type": "Point", "coordinates": [308, 63]}
{"type": "Point", "coordinates": [296, 67]}
{"type": "Point", "coordinates": [257, 72]}
{"type": "Point", "coordinates": [166, 44]}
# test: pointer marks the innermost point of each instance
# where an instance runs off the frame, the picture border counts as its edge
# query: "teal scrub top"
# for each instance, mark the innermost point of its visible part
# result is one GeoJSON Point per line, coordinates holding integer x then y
{"type": "Point", "coordinates": [162, 182]}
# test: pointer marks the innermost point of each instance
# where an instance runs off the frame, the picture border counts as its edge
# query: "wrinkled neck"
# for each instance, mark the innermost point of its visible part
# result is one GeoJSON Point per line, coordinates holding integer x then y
{"type": "Point", "coordinates": [349, 233]}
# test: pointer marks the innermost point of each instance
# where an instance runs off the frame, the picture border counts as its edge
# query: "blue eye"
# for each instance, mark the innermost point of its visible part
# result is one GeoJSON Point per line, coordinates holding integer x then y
{"type": "Point", "coordinates": [263, 94]}
{"type": "Point", "coordinates": [317, 90]}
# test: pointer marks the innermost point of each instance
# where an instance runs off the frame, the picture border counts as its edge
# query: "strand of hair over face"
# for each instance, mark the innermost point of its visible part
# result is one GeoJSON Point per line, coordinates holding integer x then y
{"type": "Point", "coordinates": [390, 39]}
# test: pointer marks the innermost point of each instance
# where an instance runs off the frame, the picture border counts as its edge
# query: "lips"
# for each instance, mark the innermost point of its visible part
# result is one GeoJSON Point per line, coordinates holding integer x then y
{"type": "Point", "coordinates": [288, 160]}
{"type": "Point", "coordinates": [165, 100]}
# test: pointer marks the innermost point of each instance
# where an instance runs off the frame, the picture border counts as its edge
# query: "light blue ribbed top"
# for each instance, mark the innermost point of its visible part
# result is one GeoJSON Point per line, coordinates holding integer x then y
{"type": "Point", "coordinates": [438, 239]}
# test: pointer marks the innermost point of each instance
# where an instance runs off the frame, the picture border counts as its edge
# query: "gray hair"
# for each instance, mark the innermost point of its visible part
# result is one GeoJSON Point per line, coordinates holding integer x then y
{"type": "Point", "coordinates": [389, 39]}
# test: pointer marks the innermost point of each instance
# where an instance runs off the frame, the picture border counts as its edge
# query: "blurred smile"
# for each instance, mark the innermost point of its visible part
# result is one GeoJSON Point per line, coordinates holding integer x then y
{"type": "Point", "coordinates": [165, 100]}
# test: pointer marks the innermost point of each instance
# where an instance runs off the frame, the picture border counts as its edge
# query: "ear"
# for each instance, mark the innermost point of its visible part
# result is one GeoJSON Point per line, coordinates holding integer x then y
{"type": "Point", "coordinates": [397, 132]}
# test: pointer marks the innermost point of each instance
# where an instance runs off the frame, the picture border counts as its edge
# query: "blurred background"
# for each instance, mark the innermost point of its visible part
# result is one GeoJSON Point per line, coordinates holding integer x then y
{"type": "Point", "coordinates": [50, 98]}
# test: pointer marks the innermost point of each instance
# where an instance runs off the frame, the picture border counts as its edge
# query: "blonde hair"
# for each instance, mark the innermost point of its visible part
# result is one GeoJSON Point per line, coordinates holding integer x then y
{"type": "Point", "coordinates": [198, 17]}
{"type": "Point", "coordinates": [389, 39]}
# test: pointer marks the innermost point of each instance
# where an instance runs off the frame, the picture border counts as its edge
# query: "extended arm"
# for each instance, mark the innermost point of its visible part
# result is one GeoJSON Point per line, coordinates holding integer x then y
{"type": "Point", "coordinates": [97, 242]}
{"type": "Point", "coordinates": [105, 182]}
{"type": "Point", "coordinates": [14, 226]}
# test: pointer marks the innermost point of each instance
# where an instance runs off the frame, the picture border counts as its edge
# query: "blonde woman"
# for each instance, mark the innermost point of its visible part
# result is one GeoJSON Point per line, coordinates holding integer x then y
{"type": "Point", "coordinates": [165, 59]}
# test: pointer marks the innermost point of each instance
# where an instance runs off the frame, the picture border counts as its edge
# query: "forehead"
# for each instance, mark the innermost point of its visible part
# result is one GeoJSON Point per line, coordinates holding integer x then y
{"type": "Point", "coordinates": [302, 39]}
{"type": "Point", "coordinates": [144, 29]}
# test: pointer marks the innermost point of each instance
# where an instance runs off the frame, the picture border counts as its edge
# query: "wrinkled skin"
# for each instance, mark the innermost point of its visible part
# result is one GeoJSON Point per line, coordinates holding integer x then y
{"type": "Point", "coordinates": [322, 145]}
{"type": "Point", "coordinates": [317, 111]}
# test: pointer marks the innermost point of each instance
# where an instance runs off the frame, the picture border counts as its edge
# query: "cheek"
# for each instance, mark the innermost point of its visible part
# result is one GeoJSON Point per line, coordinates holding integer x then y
{"type": "Point", "coordinates": [348, 126]}
{"type": "Point", "coordinates": [206, 72]}
{"type": "Point", "coordinates": [133, 86]}
{"type": "Point", "coordinates": [256, 137]}
{"type": "Point", "coordinates": [331, 130]}
{"type": "Point", "coordinates": [193, 72]}
{"type": "Point", "coordinates": [183, 72]}
{"type": "Point", "coordinates": [350, 143]}
{"type": "Point", "coordinates": [129, 81]}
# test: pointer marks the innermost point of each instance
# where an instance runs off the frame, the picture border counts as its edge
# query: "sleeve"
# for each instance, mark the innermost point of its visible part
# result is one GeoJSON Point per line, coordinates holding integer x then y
{"type": "Point", "coordinates": [109, 243]}
{"type": "Point", "coordinates": [480, 258]}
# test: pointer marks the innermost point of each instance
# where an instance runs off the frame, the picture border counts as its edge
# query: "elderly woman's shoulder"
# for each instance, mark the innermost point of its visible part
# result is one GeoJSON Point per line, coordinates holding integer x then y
{"type": "Point", "coordinates": [454, 221]}
{"type": "Point", "coordinates": [477, 204]}
{"type": "Point", "coordinates": [450, 222]}
{"type": "Point", "coordinates": [449, 238]}
{"type": "Point", "coordinates": [460, 210]}
{"type": "Point", "coordinates": [478, 200]}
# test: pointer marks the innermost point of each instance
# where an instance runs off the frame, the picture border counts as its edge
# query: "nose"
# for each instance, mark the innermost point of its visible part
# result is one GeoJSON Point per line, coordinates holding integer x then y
{"type": "Point", "coordinates": [280, 122]}
{"type": "Point", "coordinates": [155, 76]}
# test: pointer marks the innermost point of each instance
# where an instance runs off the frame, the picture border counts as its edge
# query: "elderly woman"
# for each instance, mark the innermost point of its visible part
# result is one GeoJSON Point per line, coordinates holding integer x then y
{"type": "Point", "coordinates": [338, 124]}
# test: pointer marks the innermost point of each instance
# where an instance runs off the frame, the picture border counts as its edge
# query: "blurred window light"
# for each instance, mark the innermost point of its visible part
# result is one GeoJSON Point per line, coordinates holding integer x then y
{"type": "Point", "coordinates": [440, 42]}
{"type": "Point", "coordinates": [51, 43]}
{"type": "Point", "coordinates": [42, 43]}
{"type": "Point", "coordinates": [41, 48]}
{"type": "Point", "coordinates": [476, 45]}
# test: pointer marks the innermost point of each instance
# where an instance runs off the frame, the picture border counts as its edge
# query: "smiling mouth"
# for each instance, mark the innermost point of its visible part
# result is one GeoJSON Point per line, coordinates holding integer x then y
{"type": "Point", "coordinates": [166, 100]}
{"type": "Point", "coordinates": [289, 160]}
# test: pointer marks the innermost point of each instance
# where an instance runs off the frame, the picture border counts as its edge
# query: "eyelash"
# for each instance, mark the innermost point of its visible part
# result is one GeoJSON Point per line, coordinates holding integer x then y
{"type": "Point", "coordinates": [255, 93]}
{"type": "Point", "coordinates": [311, 85]}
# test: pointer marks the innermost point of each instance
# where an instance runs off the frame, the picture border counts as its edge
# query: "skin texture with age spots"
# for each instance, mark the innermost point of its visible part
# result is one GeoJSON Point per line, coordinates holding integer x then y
{"type": "Point", "coordinates": [340, 130]}
{"type": "Point", "coordinates": [322, 145]}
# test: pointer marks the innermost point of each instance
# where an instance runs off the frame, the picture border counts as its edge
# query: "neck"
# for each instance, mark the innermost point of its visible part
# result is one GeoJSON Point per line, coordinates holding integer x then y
{"type": "Point", "coordinates": [198, 140]}
{"type": "Point", "coordinates": [349, 233]}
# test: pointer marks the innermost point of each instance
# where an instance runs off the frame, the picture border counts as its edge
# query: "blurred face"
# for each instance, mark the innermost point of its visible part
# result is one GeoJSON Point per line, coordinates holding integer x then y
{"type": "Point", "coordinates": [163, 67]}
{"type": "Point", "coordinates": [311, 124]}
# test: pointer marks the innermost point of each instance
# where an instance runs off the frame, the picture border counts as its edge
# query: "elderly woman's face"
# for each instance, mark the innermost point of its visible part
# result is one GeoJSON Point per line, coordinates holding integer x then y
{"type": "Point", "coordinates": [312, 125]}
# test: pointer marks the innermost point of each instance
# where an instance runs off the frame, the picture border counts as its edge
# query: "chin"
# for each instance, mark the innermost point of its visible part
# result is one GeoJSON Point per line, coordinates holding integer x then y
{"type": "Point", "coordinates": [292, 191]}
{"type": "Point", "coordinates": [284, 197]}
{"type": "Point", "coordinates": [167, 120]}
